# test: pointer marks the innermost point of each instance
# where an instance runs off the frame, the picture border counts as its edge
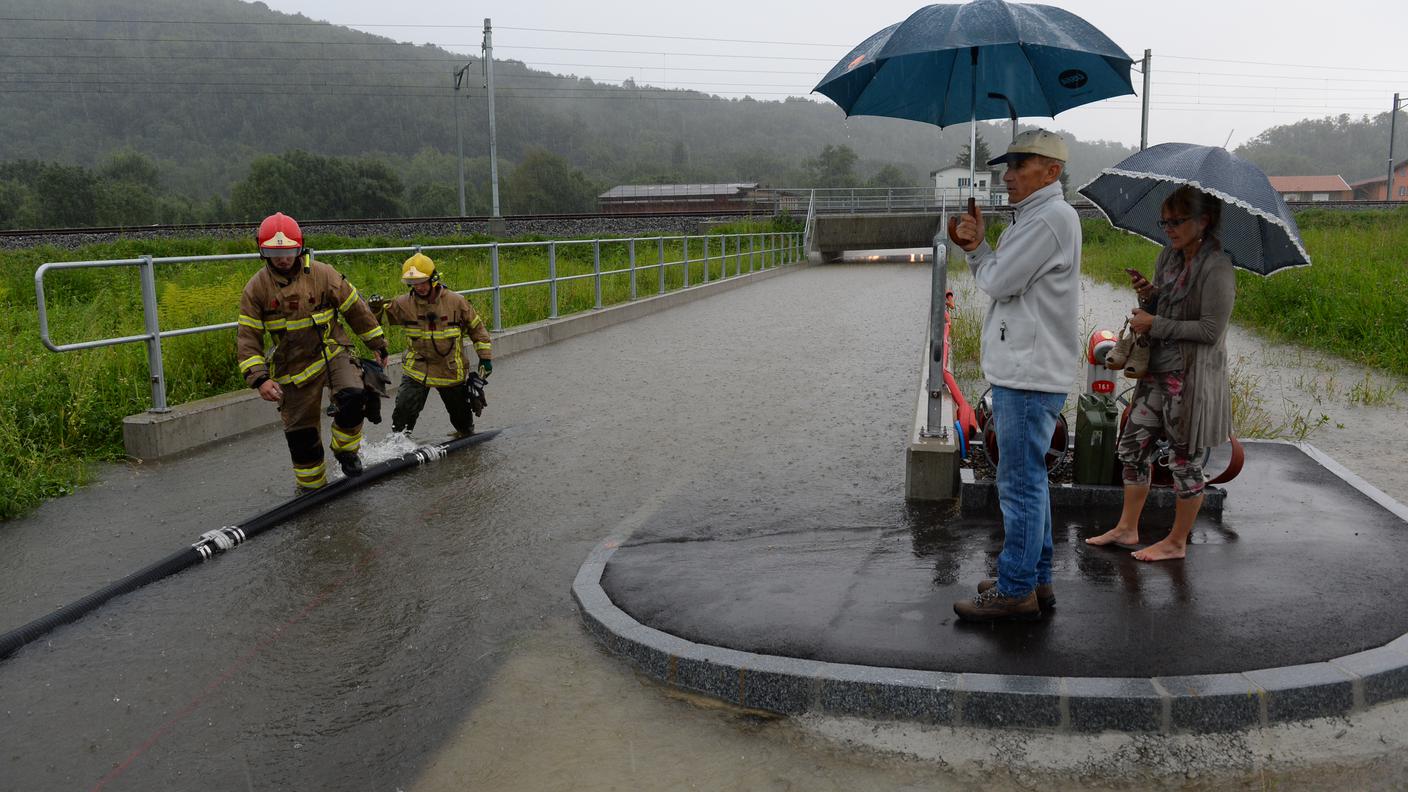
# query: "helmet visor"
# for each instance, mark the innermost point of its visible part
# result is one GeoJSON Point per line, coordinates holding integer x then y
{"type": "Point", "coordinates": [279, 252]}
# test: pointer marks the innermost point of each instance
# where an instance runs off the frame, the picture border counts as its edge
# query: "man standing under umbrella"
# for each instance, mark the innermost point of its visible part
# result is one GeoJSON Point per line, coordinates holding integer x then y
{"type": "Point", "coordinates": [1030, 344]}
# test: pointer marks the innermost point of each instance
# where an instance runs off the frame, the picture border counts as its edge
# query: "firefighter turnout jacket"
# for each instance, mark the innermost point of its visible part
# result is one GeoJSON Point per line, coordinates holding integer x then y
{"type": "Point", "coordinates": [300, 311]}
{"type": "Point", "coordinates": [436, 329]}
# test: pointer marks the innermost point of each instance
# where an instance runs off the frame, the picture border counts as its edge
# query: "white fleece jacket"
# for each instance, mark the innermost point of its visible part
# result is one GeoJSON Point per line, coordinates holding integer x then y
{"type": "Point", "coordinates": [1030, 336]}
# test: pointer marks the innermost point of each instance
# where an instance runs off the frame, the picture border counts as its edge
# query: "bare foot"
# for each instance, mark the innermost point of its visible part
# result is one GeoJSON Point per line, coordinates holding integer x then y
{"type": "Point", "coordinates": [1166, 550]}
{"type": "Point", "coordinates": [1118, 535]}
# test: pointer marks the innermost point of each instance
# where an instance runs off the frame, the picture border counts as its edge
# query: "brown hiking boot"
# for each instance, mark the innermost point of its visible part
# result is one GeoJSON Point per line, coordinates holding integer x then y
{"type": "Point", "coordinates": [1045, 594]}
{"type": "Point", "coordinates": [991, 605]}
{"type": "Point", "coordinates": [1119, 353]}
{"type": "Point", "coordinates": [1137, 364]}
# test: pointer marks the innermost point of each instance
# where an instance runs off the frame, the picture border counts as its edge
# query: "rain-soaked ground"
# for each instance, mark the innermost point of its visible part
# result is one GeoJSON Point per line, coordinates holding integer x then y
{"type": "Point", "coordinates": [420, 634]}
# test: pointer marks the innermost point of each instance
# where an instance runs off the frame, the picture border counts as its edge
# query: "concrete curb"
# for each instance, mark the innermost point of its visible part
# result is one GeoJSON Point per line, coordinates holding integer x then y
{"type": "Point", "coordinates": [1209, 703]}
{"type": "Point", "coordinates": [194, 424]}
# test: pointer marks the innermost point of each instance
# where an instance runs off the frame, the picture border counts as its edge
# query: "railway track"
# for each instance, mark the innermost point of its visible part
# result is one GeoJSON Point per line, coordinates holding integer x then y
{"type": "Point", "coordinates": [138, 231]}
{"type": "Point", "coordinates": [17, 237]}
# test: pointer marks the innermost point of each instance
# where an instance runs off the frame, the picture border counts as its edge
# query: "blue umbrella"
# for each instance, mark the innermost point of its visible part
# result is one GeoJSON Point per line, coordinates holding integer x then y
{"type": "Point", "coordinates": [1256, 229]}
{"type": "Point", "coordinates": [950, 64]}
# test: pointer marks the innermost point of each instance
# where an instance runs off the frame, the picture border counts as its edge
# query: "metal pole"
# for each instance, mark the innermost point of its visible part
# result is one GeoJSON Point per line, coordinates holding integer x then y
{"type": "Point", "coordinates": [1144, 120]}
{"type": "Point", "coordinates": [1392, 124]}
{"type": "Point", "coordinates": [706, 258]}
{"type": "Point", "coordinates": [660, 267]}
{"type": "Point", "coordinates": [149, 313]}
{"type": "Point", "coordinates": [686, 262]}
{"type": "Point", "coordinates": [934, 423]}
{"type": "Point", "coordinates": [752, 250]}
{"type": "Point", "coordinates": [493, 138]}
{"type": "Point", "coordinates": [632, 250]}
{"type": "Point", "coordinates": [596, 269]}
{"type": "Point", "coordinates": [723, 256]}
{"type": "Point", "coordinates": [459, 134]}
{"type": "Point", "coordinates": [552, 279]}
{"type": "Point", "coordinates": [498, 293]}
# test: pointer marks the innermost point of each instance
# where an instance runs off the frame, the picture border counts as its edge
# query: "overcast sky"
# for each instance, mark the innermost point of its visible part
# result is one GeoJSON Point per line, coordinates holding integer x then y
{"type": "Point", "coordinates": [1223, 70]}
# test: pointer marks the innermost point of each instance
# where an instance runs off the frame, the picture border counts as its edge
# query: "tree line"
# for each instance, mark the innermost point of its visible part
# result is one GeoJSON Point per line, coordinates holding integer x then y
{"type": "Point", "coordinates": [130, 189]}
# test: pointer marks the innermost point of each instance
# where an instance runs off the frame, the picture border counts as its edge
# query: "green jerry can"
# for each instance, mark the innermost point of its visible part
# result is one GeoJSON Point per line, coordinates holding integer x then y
{"type": "Point", "coordinates": [1097, 432]}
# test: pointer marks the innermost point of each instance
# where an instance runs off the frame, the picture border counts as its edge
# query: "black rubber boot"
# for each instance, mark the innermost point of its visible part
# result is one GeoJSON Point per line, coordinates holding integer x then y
{"type": "Point", "coordinates": [350, 461]}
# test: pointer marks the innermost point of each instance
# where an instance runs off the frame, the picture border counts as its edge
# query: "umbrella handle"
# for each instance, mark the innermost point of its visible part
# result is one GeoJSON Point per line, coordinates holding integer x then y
{"type": "Point", "coordinates": [972, 206]}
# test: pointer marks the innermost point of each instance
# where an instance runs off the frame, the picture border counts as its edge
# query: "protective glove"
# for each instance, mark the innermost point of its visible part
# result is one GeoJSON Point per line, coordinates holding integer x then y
{"type": "Point", "coordinates": [377, 303]}
{"type": "Point", "coordinates": [486, 367]}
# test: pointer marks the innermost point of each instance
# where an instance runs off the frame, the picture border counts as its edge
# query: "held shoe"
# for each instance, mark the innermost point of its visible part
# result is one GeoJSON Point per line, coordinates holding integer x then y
{"type": "Point", "coordinates": [1045, 594]}
{"type": "Point", "coordinates": [1138, 362]}
{"type": "Point", "coordinates": [1117, 355]}
{"type": "Point", "coordinates": [992, 605]}
{"type": "Point", "coordinates": [350, 461]}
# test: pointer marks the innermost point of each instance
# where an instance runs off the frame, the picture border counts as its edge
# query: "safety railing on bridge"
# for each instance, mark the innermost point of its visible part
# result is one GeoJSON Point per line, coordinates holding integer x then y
{"type": "Point", "coordinates": [860, 200]}
{"type": "Point", "coordinates": [701, 258]}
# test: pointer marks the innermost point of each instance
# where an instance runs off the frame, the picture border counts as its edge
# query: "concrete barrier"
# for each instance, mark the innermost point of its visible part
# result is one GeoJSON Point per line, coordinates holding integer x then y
{"type": "Point", "coordinates": [931, 463]}
{"type": "Point", "coordinates": [194, 424]}
{"type": "Point", "coordinates": [835, 234]}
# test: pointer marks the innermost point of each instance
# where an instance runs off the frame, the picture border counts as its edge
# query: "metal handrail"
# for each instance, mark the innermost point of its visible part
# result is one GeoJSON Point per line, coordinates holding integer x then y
{"type": "Point", "coordinates": [764, 251]}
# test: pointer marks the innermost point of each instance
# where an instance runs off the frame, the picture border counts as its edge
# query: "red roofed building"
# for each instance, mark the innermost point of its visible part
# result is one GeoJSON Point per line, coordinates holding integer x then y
{"type": "Point", "coordinates": [1373, 189]}
{"type": "Point", "coordinates": [1312, 188]}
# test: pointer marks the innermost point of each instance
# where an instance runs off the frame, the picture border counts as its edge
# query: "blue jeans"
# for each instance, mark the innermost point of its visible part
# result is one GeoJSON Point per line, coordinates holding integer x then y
{"type": "Point", "coordinates": [1024, 420]}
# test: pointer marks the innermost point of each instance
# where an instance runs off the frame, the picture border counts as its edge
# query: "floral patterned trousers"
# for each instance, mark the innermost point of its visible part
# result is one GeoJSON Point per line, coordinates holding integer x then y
{"type": "Point", "coordinates": [1156, 412]}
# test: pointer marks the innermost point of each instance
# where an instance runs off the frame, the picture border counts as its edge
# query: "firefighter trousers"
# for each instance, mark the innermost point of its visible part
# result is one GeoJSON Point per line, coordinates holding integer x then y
{"type": "Point", "coordinates": [410, 400]}
{"type": "Point", "coordinates": [301, 411]}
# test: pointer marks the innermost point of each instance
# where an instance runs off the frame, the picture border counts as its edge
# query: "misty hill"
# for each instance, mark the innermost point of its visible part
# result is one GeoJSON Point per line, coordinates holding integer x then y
{"type": "Point", "coordinates": [203, 87]}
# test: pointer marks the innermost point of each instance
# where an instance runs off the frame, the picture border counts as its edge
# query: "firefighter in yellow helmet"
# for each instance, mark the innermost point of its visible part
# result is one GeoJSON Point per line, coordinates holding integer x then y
{"type": "Point", "coordinates": [439, 325]}
{"type": "Point", "coordinates": [301, 304]}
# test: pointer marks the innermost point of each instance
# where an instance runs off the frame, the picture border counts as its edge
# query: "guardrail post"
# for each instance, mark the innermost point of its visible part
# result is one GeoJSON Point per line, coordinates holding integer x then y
{"type": "Point", "coordinates": [660, 268]}
{"type": "Point", "coordinates": [552, 280]}
{"type": "Point", "coordinates": [706, 258]}
{"type": "Point", "coordinates": [752, 250]}
{"type": "Point", "coordinates": [498, 292]}
{"type": "Point", "coordinates": [596, 269]}
{"type": "Point", "coordinates": [686, 261]}
{"type": "Point", "coordinates": [632, 251]}
{"type": "Point", "coordinates": [153, 323]}
{"type": "Point", "coordinates": [934, 424]}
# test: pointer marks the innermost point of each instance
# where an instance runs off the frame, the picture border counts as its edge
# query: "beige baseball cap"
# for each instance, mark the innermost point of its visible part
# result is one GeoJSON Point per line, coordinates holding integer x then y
{"type": "Point", "coordinates": [1036, 141]}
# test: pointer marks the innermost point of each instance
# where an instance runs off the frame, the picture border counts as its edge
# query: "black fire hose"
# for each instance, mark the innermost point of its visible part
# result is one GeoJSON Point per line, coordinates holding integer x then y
{"type": "Point", "coordinates": [212, 543]}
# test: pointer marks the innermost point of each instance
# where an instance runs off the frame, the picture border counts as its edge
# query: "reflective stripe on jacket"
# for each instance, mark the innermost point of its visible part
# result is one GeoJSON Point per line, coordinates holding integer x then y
{"type": "Point", "coordinates": [300, 313]}
{"type": "Point", "coordinates": [436, 330]}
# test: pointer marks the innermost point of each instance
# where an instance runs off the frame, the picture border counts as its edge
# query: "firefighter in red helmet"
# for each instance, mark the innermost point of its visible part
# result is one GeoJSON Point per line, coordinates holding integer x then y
{"type": "Point", "coordinates": [301, 304]}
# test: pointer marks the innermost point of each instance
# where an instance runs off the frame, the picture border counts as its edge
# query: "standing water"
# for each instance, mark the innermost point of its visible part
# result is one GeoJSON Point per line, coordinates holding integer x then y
{"type": "Point", "coordinates": [420, 634]}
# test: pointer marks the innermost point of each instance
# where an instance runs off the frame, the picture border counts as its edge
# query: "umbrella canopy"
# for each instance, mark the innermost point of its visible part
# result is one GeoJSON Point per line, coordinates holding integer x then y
{"type": "Point", "coordinates": [1256, 228]}
{"type": "Point", "coordinates": [949, 64]}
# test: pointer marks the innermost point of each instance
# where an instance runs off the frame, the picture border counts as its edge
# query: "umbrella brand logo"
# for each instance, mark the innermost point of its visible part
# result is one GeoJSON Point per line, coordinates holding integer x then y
{"type": "Point", "coordinates": [858, 61]}
{"type": "Point", "coordinates": [1073, 78]}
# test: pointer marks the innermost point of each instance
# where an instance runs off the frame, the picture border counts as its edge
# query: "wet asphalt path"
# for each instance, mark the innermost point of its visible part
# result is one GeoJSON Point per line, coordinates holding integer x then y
{"type": "Point", "coordinates": [342, 649]}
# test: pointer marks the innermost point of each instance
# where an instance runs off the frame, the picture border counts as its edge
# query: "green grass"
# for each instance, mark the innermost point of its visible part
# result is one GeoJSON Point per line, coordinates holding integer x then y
{"type": "Point", "coordinates": [61, 411]}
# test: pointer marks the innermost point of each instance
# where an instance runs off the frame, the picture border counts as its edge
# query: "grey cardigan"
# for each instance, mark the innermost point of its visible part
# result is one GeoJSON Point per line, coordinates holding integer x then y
{"type": "Point", "coordinates": [1201, 331]}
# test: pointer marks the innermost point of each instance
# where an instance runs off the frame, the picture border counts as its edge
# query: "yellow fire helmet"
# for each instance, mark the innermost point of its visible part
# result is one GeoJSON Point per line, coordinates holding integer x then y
{"type": "Point", "coordinates": [417, 269]}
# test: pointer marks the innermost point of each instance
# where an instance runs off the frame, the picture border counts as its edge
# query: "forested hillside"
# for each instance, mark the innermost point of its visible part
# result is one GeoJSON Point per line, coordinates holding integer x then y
{"type": "Point", "coordinates": [1355, 148]}
{"type": "Point", "coordinates": [195, 91]}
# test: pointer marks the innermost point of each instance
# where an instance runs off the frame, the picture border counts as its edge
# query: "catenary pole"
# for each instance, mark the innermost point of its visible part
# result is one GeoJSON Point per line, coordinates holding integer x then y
{"type": "Point", "coordinates": [493, 139]}
{"type": "Point", "coordinates": [459, 134]}
{"type": "Point", "coordinates": [1144, 115]}
{"type": "Point", "coordinates": [1392, 123]}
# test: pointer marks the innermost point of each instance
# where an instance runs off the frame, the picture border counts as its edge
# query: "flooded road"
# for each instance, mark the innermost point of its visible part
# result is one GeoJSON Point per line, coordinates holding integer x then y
{"type": "Point", "coordinates": [420, 634]}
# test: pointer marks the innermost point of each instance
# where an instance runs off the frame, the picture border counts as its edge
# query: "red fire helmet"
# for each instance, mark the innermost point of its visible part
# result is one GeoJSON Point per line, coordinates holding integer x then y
{"type": "Point", "coordinates": [279, 235]}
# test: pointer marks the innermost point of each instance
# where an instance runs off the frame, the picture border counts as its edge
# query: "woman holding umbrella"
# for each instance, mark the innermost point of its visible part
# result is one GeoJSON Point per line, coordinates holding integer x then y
{"type": "Point", "coordinates": [1184, 397]}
